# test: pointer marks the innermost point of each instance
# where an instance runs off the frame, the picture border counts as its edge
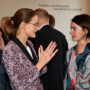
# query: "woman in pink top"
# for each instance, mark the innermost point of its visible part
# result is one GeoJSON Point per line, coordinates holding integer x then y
{"type": "Point", "coordinates": [19, 57]}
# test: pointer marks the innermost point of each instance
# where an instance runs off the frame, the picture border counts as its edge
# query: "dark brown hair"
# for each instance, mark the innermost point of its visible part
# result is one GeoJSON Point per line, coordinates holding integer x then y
{"type": "Point", "coordinates": [51, 20]}
{"type": "Point", "coordinates": [83, 20]}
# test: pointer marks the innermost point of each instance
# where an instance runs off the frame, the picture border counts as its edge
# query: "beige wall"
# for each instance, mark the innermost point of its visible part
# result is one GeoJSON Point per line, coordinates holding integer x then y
{"type": "Point", "coordinates": [63, 11]}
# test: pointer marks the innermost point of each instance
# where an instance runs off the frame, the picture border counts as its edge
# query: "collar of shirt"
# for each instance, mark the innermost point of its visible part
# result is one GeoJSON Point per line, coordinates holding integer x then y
{"type": "Point", "coordinates": [43, 26]}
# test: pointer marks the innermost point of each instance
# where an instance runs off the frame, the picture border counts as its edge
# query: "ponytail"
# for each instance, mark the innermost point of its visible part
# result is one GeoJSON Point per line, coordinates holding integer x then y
{"type": "Point", "coordinates": [9, 29]}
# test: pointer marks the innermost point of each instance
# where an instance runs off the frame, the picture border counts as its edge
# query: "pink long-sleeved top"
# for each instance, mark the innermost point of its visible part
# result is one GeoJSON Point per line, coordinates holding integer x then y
{"type": "Point", "coordinates": [21, 67]}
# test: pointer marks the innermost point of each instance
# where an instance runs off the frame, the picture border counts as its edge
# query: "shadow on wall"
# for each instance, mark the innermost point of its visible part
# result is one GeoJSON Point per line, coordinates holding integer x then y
{"type": "Point", "coordinates": [86, 6]}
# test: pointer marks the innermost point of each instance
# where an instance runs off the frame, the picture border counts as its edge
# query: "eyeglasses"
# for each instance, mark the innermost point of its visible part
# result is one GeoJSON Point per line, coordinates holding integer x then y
{"type": "Point", "coordinates": [35, 24]}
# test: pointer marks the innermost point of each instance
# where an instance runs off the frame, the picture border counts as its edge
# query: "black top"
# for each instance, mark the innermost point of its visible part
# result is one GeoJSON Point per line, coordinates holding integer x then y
{"type": "Point", "coordinates": [53, 79]}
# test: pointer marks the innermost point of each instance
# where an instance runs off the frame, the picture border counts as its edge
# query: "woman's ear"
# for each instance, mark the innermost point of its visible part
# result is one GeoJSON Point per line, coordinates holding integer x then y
{"type": "Point", "coordinates": [86, 31]}
{"type": "Point", "coordinates": [22, 25]}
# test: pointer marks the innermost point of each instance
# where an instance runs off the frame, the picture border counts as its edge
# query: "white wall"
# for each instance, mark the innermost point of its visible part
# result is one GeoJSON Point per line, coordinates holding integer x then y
{"type": "Point", "coordinates": [63, 11]}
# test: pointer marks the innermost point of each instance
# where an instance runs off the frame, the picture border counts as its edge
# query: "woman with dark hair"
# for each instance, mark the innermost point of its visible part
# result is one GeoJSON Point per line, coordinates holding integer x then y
{"type": "Point", "coordinates": [78, 57]}
{"type": "Point", "coordinates": [51, 21]}
{"type": "Point", "coordinates": [19, 57]}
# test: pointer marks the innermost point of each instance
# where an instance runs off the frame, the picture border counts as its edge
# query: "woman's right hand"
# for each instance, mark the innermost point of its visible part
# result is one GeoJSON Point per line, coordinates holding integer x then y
{"type": "Point", "coordinates": [46, 55]}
